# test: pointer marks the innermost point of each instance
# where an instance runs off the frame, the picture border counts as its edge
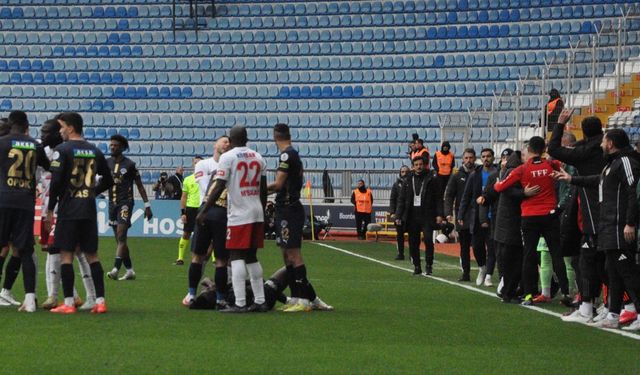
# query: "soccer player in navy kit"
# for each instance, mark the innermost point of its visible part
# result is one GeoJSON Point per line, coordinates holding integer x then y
{"type": "Point", "coordinates": [75, 165]}
{"type": "Point", "coordinates": [289, 221]}
{"type": "Point", "coordinates": [19, 156]}
{"type": "Point", "coordinates": [125, 174]}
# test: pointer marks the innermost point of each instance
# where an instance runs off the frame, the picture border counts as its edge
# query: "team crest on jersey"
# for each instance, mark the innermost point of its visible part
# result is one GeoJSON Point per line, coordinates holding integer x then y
{"type": "Point", "coordinates": [284, 157]}
{"type": "Point", "coordinates": [56, 155]}
{"type": "Point", "coordinates": [284, 223]}
{"type": "Point", "coordinates": [123, 171]}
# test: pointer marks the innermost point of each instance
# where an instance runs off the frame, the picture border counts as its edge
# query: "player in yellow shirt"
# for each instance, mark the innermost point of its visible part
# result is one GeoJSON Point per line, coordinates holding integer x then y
{"type": "Point", "coordinates": [189, 204]}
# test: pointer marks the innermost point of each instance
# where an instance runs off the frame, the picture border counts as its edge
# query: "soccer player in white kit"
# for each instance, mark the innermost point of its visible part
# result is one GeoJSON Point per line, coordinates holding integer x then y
{"type": "Point", "coordinates": [242, 172]}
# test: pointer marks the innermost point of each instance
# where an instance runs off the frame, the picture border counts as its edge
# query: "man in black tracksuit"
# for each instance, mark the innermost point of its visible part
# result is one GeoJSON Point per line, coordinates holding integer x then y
{"type": "Point", "coordinates": [618, 219]}
{"type": "Point", "coordinates": [393, 208]}
{"type": "Point", "coordinates": [420, 209]}
{"type": "Point", "coordinates": [586, 156]}
{"type": "Point", "coordinates": [452, 198]}
{"type": "Point", "coordinates": [469, 213]}
{"type": "Point", "coordinates": [507, 234]}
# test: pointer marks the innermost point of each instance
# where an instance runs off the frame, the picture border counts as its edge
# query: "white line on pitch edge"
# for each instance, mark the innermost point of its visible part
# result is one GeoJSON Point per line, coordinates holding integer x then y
{"type": "Point", "coordinates": [534, 308]}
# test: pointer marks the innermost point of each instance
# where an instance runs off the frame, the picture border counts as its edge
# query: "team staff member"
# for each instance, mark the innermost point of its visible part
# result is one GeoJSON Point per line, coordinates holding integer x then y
{"type": "Point", "coordinates": [74, 168]}
{"type": "Point", "coordinates": [452, 198]}
{"type": "Point", "coordinates": [189, 204]}
{"type": "Point", "coordinates": [443, 163]}
{"type": "Point", "coordinates": [618, 220]}
{"type": "Point", "coordinates": [289, 221]}
{"type": "Point", "coordinates": [539, 218]}
{"type": "Point", "coordinates": [420, 209]}
{"type": "Point", "coordinates": [469, 211]}
{"type": "Point", "coordinates": [125, 175]}
{"type": "Point", "coordinates": [507, 234]}
{"type": "Point", "coordinates": [19, 156]}
{"type": "Point", "coordinates": [393, 208]}
{"type": "Point", "coordinates": [586, 156]}
{"type": "Point", "coordinates": [362, 199]}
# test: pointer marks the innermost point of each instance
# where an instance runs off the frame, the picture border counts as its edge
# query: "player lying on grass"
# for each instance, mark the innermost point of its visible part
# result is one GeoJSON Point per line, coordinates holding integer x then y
{"type": "Point", "coordinates": [273, 292]}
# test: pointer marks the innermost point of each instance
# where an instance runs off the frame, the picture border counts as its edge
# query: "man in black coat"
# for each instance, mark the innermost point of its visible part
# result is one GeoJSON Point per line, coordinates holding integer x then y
{"type": "Point", "coordinates": [393, 208]}
{"type": "Point", "coordinates": [452, 198]}
{"type": "Point", "coordinates": [420, 209]}
{"type": "Point", "coordinates": [586, 156]}
{"type": "Point", "coordinates": [507, 234]}
{"type": "Point", "coordinates": [469, 213]}
{"type": "Point", "coordinates": [618, 220]}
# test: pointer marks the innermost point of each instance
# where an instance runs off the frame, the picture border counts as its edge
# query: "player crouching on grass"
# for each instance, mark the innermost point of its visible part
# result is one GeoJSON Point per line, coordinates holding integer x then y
{"type": "Point", "coordinates": [242, 172]}
{"type": "Point", "coordinates": [74, 168]}
{"type": "Point", "coordinates": [289, 221]}
{"type": "Point", "coordinates": [124, 174]}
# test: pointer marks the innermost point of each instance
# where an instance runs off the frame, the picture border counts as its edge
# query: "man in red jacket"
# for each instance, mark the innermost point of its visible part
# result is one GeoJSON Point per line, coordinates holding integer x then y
{"type": "Point", "coordinates": [538, 217]}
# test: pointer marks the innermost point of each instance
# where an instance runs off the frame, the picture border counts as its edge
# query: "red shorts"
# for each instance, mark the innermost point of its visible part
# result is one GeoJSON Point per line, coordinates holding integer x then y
{"type": "Point", "coordinates": [245, 236]}
{"type": "Point", "coordinates": [46, 238]}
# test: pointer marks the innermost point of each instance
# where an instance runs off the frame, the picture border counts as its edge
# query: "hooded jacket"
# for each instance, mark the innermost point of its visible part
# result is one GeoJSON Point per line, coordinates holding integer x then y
{"type": "Point", "coordinates": [618, 199]}
{"type": "Point", "coordinates": [440, 154]}
{"type": "Point", "coordinates": [587, 157]}
{"type": "Point", "coordinates": [508, 216]}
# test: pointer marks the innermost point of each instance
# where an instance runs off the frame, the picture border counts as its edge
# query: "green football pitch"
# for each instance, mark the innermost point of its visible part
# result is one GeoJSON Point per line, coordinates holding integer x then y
{"type": "Point", "coordinates": [386, 321]}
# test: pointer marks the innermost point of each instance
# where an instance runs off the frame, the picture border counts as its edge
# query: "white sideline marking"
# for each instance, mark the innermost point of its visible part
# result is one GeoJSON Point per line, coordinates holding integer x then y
{"type": "Point", "coordinates": [534, 308]}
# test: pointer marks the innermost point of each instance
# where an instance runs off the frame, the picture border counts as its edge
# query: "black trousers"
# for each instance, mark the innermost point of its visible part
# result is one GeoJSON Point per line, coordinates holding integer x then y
{"type": "Point", "coordinates": [465, 247]}
{"type": "Point", "coordinates": [483, 248]}
{"type": "Point", "coordinates": [442, 183]}
{"type": "Point", "coordinates": [534, 227]}
{"type": "Point", "coordinates": [510, 264]}
{"type": "Point", "coordinates": [400, 231]}
{"type": "Point", "coordinates": [362, 220]}
{"type": "Point", "coordinates": [415, 228]}
{"type": "Point", "coordinates": [623, 275]}
{"type": "Point", "coordinates": [592, 269]}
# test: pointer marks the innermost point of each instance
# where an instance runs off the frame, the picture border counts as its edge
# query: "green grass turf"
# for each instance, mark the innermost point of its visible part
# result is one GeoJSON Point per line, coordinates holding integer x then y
{"type": "Point", "coordinates": [386, 321]}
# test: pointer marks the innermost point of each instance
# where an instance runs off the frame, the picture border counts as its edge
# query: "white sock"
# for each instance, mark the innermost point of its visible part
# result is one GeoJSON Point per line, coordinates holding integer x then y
{"type": "Point", "coordinates": [87, 280]}
{"type": "Point", "coordinates": [546, 292]}
{"type": "Point", "coordinates": [630, 307]}
{"type": "Point", "coordinates": [69, 301]}
{"type": "Point", "coordinates": [239, 275]}
{"type": "Point", "coordinates": [30, 298]}
{"type": "Point", "coordinates": [612, 316]}
{"type": "Point", "coordinates": [47, 275]}
{"type": "Point", "coordinates": [54, 270]}
{"type": "Point", "coordinates": [586, 309]}
{"type": "Point", "coordinates": [257, 284]}
{"type": "Point", "coordinates": [99, 300]}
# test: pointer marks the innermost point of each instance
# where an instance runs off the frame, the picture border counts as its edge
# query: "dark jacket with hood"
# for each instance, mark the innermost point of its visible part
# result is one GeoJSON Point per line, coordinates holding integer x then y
{"type": "Point", "coordinates": [507, 213]}
{"type": "Point", "coordinates": [587, 157]}
{"type": "Point", "coordinates": [468, 211]}
{"type": "Point", "coordinates": [430, 201]}
{"type": "Point", "coordinates": [618, 204]}
{"type": "Point", "coordinates": [453, 195]}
